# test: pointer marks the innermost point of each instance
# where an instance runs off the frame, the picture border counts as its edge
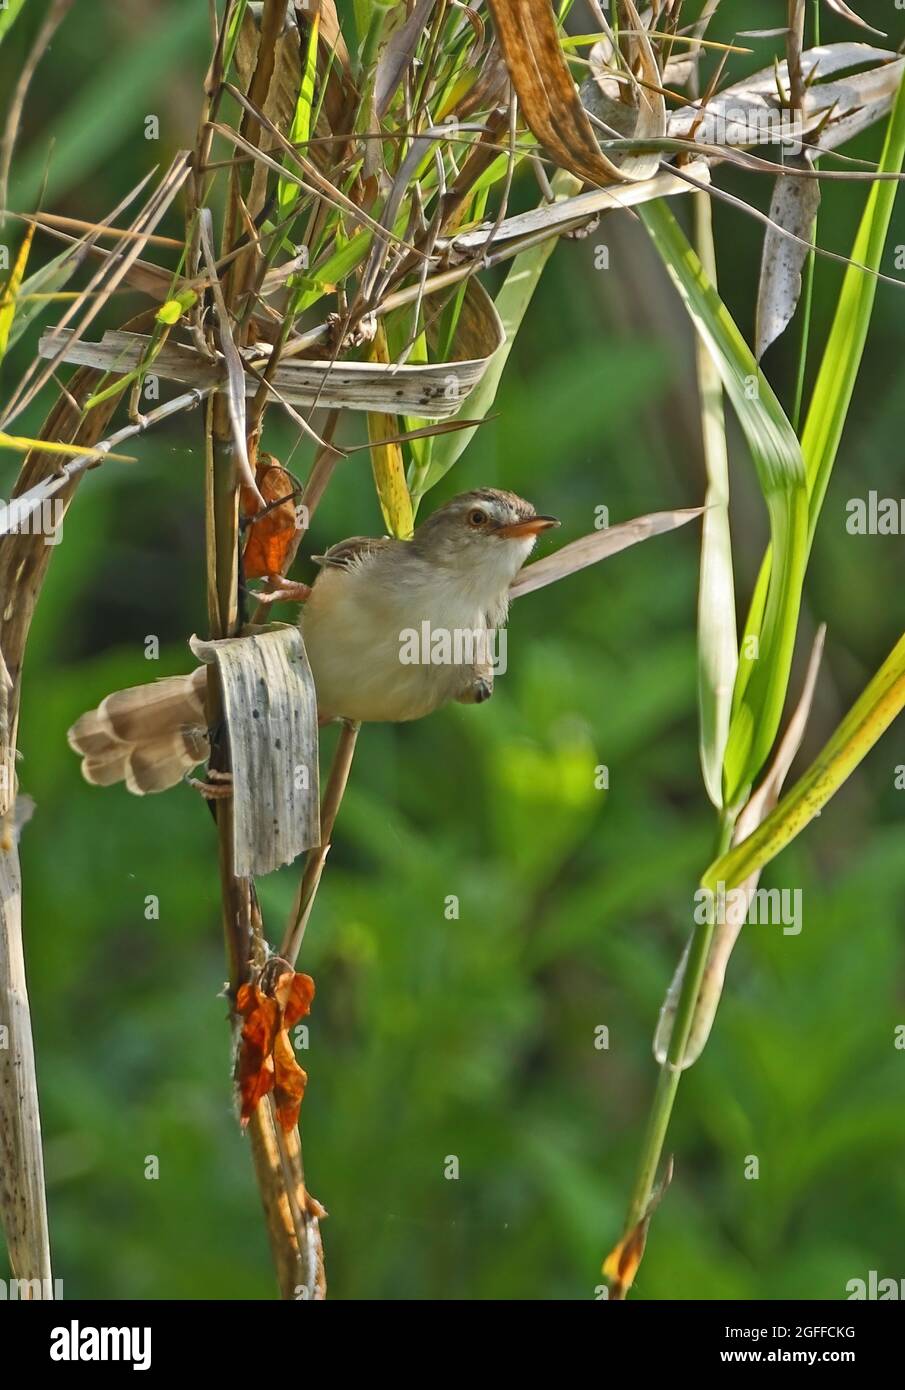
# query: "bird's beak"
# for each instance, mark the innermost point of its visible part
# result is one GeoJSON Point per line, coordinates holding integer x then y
{"type": "Point", "coordinates": [532, 527]}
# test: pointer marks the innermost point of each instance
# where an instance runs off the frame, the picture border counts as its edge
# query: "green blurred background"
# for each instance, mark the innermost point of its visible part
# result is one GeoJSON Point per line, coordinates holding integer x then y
{"type": "Point", "coordinates": [472, 1037]}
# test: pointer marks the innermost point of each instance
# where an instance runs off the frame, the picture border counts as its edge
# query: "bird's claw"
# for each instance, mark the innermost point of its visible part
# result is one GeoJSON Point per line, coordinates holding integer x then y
{"type": "Point", "coordinates": [283, 591]}
{"type": "Point", "coordinates": [478, 690]}
{"type": "Point", "coordinates": [217, 786]}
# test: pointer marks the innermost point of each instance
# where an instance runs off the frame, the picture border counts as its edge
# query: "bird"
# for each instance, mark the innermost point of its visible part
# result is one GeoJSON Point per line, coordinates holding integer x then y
{"type": "Point", "coordinates": [362, 622]}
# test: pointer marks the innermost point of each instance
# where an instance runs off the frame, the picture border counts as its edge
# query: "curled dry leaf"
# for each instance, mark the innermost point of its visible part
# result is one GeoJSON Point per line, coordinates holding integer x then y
{"type": "Point", "coordinates": [270, 542]}
{"type": "Point", "coordinates": [270, 714]}
{"type": "Point", "coordinates": [794, 208]}
{"type": "Point", "coordinates": [846, 11]}
{"type": "Point", "coordinates": [282, 94]}
{"type": "Point", "coordinates": [636, 111]}
{"type": "Point", "coordinates": [549, 99]}
{"type": "Point", "coordinates": [266, 1061]}
{"type": "Point", "coordinates": [751, 111]}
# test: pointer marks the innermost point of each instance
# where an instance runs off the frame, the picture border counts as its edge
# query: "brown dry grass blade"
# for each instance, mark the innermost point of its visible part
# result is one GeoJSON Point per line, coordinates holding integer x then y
{"type": "Point", "coordinates": [152, 280]}
{"type": "Point", "coordinates": [287, 74]}
{"type": "Point", "coordinates": [548, 98]}
{"type": "Point", "coordinates": [645, 117]}
{"type": "Point", "coordinates": [398, 54]}
{"type": "Point", "coordinates": [846, 11]}
{"type": "Point", "coordinates": [599, 545]}
{"type": "Point", "coordinates": [235, 372]}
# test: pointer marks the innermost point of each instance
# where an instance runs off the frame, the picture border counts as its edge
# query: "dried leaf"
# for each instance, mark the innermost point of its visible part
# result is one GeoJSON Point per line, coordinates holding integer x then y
{"type": "Point", "coordinates": [746, 113]}
{"type": "Point", "coordinates": [548, 98]}
{"type": "Point", "coordinates": [599, 545]}
{"type": "Point", "coordinates": [289, 1082]}
{"type": "Point", "coordinates": [569, 213]}
{"type": "Point", "coordinates": [270, 708]}
{"type": "Point", "coordinates": [398, 54]}
{"type": "Point", "coordinates": [254, 1073]}
{"type": "Point", "coordinates": [270, 542]}
{"type": "Point", "coordinates": [644, 117]}
{"type": "Point", "coordinates": [846, 11]}
{"type": "Point", "coordinates": [283, 89]}
{"type": "Point", "coordinates": [266, 1061]}
{"type": "Point", "coordinates": [295, 993]}
{"type": "Point", "coordinates": [434, 390]}
{"type": "Point", "coordinates": [794, 208]}
{"type": "Point", "coordinates": [235, 371]}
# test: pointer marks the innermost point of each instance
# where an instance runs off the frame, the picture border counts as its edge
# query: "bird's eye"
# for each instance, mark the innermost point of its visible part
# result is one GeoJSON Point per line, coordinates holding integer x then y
{"type": "Point", "coordinates": [477, 518]}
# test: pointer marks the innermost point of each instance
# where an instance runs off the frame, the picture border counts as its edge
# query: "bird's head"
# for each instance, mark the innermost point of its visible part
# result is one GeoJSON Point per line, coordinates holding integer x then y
{"type": "Point", "coordinates": [486, 534]}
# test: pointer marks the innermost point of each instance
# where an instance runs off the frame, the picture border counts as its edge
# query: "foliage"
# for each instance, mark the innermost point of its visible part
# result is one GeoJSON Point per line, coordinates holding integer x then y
{"type": "Point", "coordinates": [473, 1035]}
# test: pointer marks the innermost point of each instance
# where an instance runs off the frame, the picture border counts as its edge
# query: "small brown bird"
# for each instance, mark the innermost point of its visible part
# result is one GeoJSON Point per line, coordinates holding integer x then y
{"type": "Point", "coordinates": [452, 578]}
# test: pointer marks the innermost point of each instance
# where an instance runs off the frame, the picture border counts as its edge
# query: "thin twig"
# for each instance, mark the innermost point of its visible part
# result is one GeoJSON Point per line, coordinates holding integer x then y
{"type": "Point", "coordinates": [316, 858]}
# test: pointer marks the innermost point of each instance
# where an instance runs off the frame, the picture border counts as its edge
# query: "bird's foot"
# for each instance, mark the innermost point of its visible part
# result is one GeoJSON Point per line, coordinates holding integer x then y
{"type": "Point", "coordinates": [217, 786]}
{"type": "Point", "coordinates": [479, 690]}
{"type": "Point", "coordinates": [282, 590]}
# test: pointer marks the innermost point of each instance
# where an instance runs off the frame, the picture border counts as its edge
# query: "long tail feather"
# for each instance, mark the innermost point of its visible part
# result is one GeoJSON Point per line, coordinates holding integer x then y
{"type": "Point", "coordinates": [148, 736]}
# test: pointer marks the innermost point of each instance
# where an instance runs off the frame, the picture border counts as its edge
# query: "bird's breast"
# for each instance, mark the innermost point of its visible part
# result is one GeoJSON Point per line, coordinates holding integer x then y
{"type": "Point", "coordinates": [376, 643]}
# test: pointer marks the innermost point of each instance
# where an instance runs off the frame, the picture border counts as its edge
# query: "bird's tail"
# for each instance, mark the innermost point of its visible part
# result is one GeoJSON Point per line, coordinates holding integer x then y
{"type": "Point", "coordinates": [148, 736]}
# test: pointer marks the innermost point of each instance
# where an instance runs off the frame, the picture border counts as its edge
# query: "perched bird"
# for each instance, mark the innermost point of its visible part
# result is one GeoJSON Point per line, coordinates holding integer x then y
{"type": "Point", "coordinates": [452, 577]}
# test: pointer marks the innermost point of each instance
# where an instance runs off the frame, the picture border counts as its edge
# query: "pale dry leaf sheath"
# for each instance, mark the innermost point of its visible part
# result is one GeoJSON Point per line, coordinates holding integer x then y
{"type": "Point", "coordinates": [270, 709]}
{"type": "Point", "coordinates": [794, 208]}
{"type": "Point", "coordinates": [599, 545]}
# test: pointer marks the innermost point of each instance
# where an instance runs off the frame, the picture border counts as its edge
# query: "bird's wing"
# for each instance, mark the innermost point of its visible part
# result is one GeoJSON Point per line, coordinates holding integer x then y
{"type": "Point", "coordinates": [347, 553]}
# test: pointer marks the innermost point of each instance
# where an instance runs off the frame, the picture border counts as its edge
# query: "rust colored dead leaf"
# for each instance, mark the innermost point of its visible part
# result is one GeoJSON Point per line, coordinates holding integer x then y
{"type": "Point", "coordinates": [259, 1032]}
{"type": "Point", "coordinates": [271, 541]}
{"type": "Point", "coordinates": [548, 97]}
{"type": "Point", "coordinates": [266, 1060]}
{"type": "Point", "coordinates": [289, 1082]}
{"type": "Point", "coordinates": [295, 993]}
